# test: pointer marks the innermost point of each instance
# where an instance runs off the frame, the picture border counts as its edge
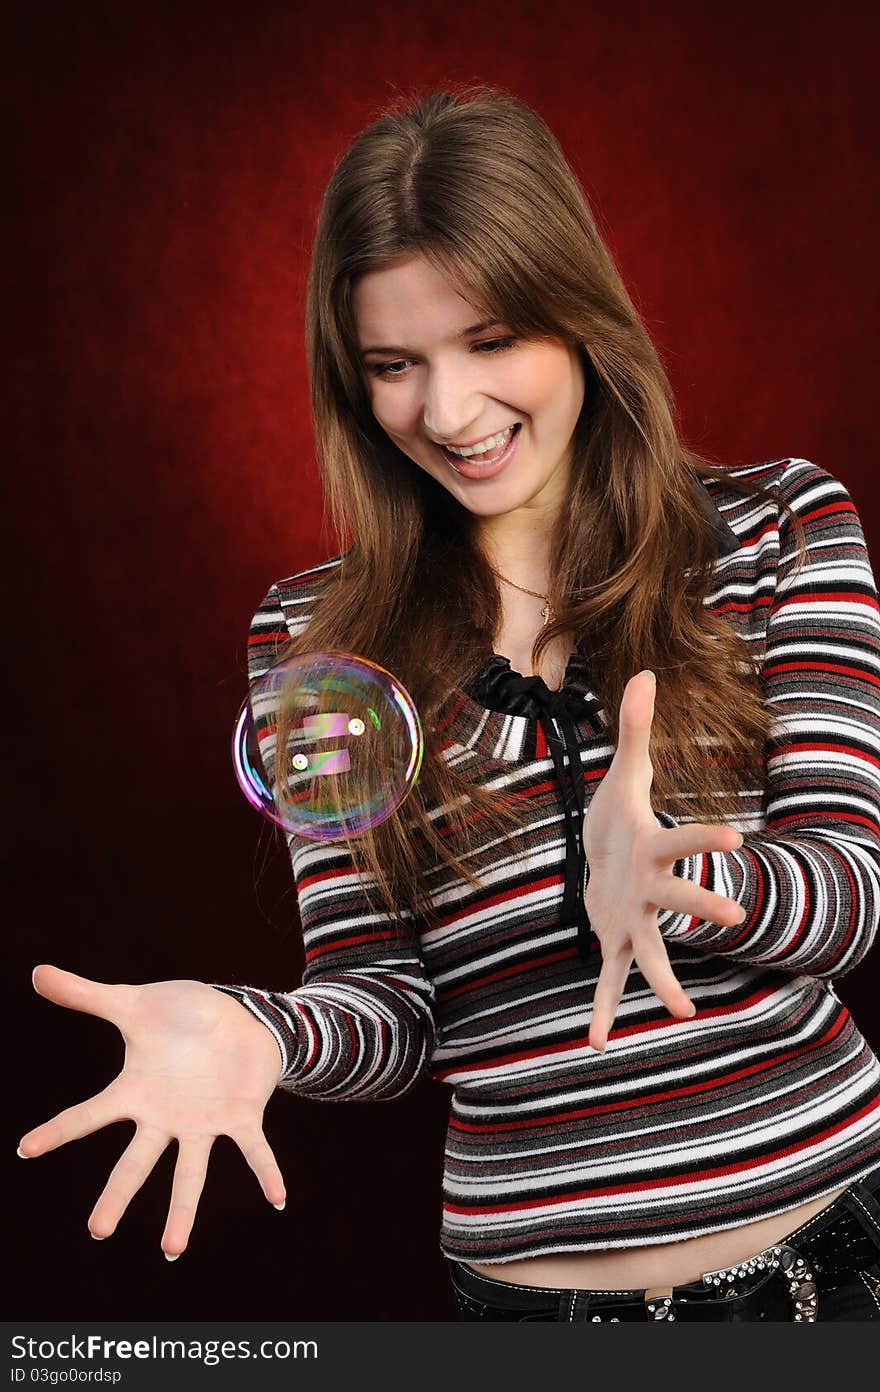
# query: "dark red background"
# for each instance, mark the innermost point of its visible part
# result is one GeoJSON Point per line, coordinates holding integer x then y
{"type": "Point", "coordinates": [167, 166]}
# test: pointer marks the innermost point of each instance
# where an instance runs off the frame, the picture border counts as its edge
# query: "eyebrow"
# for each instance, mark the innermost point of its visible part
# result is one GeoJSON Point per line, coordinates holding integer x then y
{"type": "Point", "coordinates": [463, 333]}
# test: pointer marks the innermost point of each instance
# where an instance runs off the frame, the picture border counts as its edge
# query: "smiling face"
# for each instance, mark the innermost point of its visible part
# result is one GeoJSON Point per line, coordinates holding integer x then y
{"type": "Point", "coordinates": [435, 375]}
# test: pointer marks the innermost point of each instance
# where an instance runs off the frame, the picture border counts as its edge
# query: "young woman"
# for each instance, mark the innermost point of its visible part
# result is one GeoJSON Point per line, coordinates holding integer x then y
{"type": "Point", "coordinates": [645, 839]}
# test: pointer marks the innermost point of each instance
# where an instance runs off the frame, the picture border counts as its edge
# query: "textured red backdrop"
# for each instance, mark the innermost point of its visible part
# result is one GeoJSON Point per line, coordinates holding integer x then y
{"type": "Point", "coordinates": [167, 166]}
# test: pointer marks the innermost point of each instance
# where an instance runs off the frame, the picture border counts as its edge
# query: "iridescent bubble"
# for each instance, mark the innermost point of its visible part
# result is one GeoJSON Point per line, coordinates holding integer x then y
{"type": "Point", "coordinates": [326, 743]}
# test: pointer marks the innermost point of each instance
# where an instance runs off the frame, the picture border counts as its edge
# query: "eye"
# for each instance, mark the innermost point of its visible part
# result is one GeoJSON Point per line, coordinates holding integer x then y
{"type": "Point", "coordinates": [487, 346]}
{"type": "Point", "coordinates": [384, 369]}
{"type": "Point", "coordinates": [498, 345]}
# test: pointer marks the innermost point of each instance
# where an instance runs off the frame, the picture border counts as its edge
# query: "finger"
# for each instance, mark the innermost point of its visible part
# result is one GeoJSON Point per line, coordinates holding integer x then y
{"type": "Point", "coordinates": [79, 993]}
{"type": "Point", "coordinates": [607, 996]}
{"type": "Point", "coordinates": [652, 961]}
{"type": "Point", "coordinates": [74, 1122]}
{"type": "Point", "coordinates": [685, 897]}
{"type": "Point", "coordinates": [691, 838]}
{"type": "Point", "coordinates": [186, 1190]}
{"type": "Point", "coordinates": [634, 723]}
{"type": "Point", "coordinates": [125, 1179]}
{"type": "Point", "coordinates": [260, 1156]}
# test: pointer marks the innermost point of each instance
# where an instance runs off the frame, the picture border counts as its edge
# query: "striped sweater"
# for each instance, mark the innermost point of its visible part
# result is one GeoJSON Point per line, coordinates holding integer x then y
{"type": "Point", "coordinates": [770, 1096]}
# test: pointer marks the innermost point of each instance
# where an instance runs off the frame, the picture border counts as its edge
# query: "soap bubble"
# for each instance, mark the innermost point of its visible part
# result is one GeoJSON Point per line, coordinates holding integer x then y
{"type": "Point", "coordinates": [350, 743]}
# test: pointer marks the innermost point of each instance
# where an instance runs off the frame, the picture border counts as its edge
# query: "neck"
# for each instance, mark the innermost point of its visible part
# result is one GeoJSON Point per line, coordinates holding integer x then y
{"type": "Point", "coordinates": [523, 557]}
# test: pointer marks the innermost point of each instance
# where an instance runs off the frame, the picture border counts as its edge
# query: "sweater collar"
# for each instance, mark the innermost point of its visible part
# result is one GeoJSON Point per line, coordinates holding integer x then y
{"type": "Point", "coordinates": [556, 712]}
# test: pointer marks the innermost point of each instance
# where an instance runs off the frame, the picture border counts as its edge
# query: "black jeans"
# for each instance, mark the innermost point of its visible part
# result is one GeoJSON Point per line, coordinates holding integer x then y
{"type": "Point", "coordinates": [827, 1269]}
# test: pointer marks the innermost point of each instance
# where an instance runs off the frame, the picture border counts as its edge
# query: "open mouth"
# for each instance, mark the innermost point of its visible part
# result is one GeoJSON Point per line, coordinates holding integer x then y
{"type": "Point", "coordinates": [479, 465]}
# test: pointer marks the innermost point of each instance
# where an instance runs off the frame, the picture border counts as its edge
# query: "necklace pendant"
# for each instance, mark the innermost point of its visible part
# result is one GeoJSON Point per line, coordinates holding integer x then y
{"type": "Point", "coordinates": [545, 614]}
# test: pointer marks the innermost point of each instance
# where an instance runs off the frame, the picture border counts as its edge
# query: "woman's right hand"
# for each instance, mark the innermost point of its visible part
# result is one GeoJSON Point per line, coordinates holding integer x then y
{"type": "Point", "coordinates": [197, 1065]}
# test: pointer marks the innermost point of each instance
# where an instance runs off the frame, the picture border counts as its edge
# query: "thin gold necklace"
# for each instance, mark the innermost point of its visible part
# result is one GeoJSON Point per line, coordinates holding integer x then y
{"type": "Point", "coordinates": [546, 612]}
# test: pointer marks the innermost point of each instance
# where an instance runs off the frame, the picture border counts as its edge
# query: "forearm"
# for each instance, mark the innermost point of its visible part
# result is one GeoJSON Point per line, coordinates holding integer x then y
{"type": "Point", "coordinates": [352, 1037]}
{"type": "Point", "coordinates": [812, 901]}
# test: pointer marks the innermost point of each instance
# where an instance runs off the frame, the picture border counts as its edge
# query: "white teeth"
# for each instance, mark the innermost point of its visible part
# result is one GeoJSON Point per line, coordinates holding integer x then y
{"type": "Point", "coordinates": [484, 446]}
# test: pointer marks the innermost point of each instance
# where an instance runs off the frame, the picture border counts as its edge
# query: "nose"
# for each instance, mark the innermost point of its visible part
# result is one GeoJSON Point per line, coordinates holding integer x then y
{"type": "Point", "coordinates": [451, 405]}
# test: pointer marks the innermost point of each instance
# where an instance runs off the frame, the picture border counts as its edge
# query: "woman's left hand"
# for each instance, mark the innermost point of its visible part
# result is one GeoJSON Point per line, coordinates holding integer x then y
{"type": "Point", "coordinates": [631, 860]}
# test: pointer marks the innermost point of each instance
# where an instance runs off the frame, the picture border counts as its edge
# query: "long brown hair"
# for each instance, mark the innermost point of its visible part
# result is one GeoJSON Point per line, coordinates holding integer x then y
{"type": "Point", "coordinates": [413, 590]}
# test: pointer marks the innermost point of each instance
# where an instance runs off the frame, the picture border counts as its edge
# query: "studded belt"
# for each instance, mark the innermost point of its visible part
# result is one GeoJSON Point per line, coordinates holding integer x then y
{"type": "Point", "coordinates": [783, 1282]}
{"type": "Point", "coordinates": [781, 1278]}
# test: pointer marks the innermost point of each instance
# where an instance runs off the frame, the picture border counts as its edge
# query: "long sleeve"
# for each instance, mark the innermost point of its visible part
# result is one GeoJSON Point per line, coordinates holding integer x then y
{"type": "Point", "coordinates": [809, 881]}
{"type": "Point", "coordinates": [361, 1025]}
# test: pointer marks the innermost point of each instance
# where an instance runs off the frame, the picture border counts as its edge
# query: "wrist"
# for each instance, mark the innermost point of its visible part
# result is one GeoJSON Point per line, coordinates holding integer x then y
{"type": "Point", "coordinates": [265, 1043]}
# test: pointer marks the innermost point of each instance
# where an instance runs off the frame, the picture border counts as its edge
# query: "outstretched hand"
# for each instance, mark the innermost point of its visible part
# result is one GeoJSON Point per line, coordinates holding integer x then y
{"type": "Point", "coordinates": [197, 1066]}
{"type": "Point", "coordinates": [631, 859]}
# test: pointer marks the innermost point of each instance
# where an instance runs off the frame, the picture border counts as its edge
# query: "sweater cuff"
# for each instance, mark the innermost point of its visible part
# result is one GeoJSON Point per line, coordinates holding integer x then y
{"type": "Point", "coordinates": [280, 1018]}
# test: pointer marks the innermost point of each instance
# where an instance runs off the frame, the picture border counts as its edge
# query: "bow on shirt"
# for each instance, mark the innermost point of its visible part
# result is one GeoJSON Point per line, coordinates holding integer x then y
{"type": "Point", "coordinates": [501, 689]}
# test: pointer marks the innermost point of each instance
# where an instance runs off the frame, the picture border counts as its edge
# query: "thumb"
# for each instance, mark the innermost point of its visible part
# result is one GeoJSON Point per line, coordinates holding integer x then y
{"type": "Point", "coordinates": [80, 993]}
{"type": "Point", "coordinates": [636, 717]}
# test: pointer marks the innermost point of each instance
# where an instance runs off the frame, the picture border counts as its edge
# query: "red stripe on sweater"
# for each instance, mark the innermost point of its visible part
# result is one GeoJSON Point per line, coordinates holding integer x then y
{"type": "Point", "coordinates": [529, 965]}
{"type": "Point", "coordinates": [505, 896]}
{"type": "Point", "coordinates": [826, 597]}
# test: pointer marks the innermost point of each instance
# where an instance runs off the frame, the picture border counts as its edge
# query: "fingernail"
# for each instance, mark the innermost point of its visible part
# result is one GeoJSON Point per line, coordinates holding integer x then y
{"type": "Point", "coordinates": [20, 1152]}
{"type": "Point", "coordinates": [96, 1236]}
{"type": "Point", "coordinates": [692, 1012]}
{"type": "Point", "coordinates": [646, 672]}
{"type": "Point", "coordinates": [280, 1206]}
{"type": "Point", "coordinates": [741, 917]}
{"type": "Point", "coordinates": [168, 1256]}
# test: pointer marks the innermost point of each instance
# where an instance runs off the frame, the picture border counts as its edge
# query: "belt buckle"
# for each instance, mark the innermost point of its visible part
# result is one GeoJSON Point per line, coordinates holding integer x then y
{"type": "Point", "coordinates": [784, 1261]}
